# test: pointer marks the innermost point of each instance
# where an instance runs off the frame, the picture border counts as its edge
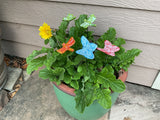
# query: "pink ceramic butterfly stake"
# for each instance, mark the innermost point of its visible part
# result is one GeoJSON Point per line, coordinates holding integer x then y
{"type": "Point", "coordinates": [109, 49]}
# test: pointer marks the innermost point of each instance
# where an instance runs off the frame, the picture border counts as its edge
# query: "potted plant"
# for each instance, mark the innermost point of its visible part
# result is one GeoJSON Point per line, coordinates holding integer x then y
{"type": "Point", "coordinates": [85, 71]}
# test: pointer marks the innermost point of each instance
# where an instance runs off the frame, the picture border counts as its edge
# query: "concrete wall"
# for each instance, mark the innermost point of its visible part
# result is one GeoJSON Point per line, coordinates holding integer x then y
{"type": "Point", "coordinates": [137, 21]}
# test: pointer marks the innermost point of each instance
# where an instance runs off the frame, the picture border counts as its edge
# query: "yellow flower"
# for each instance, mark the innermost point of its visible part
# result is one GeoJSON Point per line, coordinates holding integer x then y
{"type": "Point", "coordinates": [45, 31]}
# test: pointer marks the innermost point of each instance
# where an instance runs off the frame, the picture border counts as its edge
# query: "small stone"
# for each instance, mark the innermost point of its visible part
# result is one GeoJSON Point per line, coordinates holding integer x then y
{"type": "Point", "coordinates": [105, 117]}
{"type": "Point", "coordinates": [13, 76]}
{"type": "Point", "coordinates": [127, 118]}
{"type": "Point", "coordinates": [3, 98]}
{"type": "Point", "coordinates": [21, 79]}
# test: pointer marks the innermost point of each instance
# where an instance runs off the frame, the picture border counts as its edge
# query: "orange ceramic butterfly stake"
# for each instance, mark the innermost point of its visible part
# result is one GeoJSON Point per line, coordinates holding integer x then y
{"type": "Point", "coordinates": [66, 46]}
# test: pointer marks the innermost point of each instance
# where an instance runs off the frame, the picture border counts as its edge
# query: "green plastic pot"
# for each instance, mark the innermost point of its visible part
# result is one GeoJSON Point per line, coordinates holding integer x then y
{"type": "Point", "coordinates": [95, 111]}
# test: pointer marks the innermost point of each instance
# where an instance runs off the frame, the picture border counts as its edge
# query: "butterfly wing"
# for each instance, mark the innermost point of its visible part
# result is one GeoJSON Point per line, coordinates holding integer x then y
{"type": "Point", "coordinates": [86, 53]}
{"type": "Point", "coordinates": [91, 18]}
{"type": "Point", "coordinates": [86, 44]}
{"type": "Point", "coordinates": [70, 42]}
{"type": "Point", "coordinates": [89, 22]}
{"type": "Point", "coordinates": [67, 46]}
{"type": "Point", "coordinates": [92, 46]}
{"type": "Point", "coordinates": [69, 17]}
{"type": "Point", "coordinates": [115, 48]}
{"type": "Point", "coordinates": [62, 50]}
{"type": "Point", "coordinates": [85, 25]}
{"type": "Point", "coordinates": [88, 48]}
{"type": "Point", "coordinates": [84, 41]}
{"type": "Point", "coordinates": [109, 48]}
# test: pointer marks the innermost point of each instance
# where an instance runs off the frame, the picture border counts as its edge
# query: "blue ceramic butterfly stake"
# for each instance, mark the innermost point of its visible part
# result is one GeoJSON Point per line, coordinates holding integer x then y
{"type": "Point", "coordinates": [87, 49]}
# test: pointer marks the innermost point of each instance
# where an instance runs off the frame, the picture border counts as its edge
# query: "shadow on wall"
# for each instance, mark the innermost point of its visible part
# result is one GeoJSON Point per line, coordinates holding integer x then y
{"type": "Point", "coordinates": [7, 34]}
{"type": "Point", "coordinates": [7, 44]}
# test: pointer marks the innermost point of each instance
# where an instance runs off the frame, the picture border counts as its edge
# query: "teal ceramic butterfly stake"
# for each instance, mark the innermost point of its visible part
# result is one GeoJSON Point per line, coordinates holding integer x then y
{"type": "Point", "coordinates": [87, 49]}
{"type": "Point", "coordinates": [89, 22]}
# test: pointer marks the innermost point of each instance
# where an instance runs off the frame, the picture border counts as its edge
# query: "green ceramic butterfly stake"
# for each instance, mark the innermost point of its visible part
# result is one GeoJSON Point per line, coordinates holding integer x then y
{"type": "Point", "coordinates": [69, 17]}
{"type": "Point", "coordinates": [89, 22]}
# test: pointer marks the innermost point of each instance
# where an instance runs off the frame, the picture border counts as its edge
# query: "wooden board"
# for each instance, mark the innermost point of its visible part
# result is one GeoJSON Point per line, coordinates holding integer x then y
{"type": "Point", "coordinates": [18, 49]}
{"type": "Point", "coordinates": [133, 4]}
{"type": "Point", "coordinates": [21, 33]}
{"type": "Point", "coordinates": [136, 25]}
{"type": "Point", "coordinates": [150, 55]}
{"type": "Point", "coordinates": [141, 75]}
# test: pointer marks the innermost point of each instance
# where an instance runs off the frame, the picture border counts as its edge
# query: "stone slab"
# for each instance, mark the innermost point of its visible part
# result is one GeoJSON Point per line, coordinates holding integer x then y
{"type": "Point", "coordinates": [137, 103]}
{"type": "Point", "coordinates": [35, 100]}
{"type": "Point", "coordinates": [13, 75]}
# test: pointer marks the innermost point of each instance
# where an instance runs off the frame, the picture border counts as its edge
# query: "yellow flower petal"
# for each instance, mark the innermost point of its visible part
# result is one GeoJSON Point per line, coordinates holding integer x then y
{"type": "Point", "coordinates": [45, 31]}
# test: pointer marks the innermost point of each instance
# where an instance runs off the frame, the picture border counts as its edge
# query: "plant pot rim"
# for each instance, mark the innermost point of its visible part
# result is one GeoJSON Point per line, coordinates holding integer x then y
{"type": "Point", "coordinates": [66, 89]}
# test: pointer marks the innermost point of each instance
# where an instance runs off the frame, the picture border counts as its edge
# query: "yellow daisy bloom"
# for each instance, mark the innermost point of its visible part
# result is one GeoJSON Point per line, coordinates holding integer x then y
{"type": "Point", "coordinates": [45, 31]}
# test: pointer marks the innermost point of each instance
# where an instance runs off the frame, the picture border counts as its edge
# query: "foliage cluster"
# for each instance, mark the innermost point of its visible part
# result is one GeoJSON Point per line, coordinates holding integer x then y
{"type": "Point", "coordinates": [91, 79]}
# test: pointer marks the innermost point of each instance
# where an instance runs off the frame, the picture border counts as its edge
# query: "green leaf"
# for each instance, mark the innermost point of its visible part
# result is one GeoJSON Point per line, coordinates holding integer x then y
{"type": "Point", "coordinates": [69, 63]}
{"type": "Point", "coordinates": [46, 74]}
{"type": "Point", "coordinates": [56, 74]}
{"type": "Point", "coordinates": [80, 101]}
{"type": "Point", "coordinates": [109, 35]}
{"type": "Point", "coordinates": [85, 98]}
{"type": "Point", "coordinates": [117, 86]}
{"type": "Point", "coordinates": [119, 42]}
{"type": "Point", "coordinates": [58, 71]}
{"type": "Point", "coordinates": [51, 58]}
{"type": "Point", "coordinates": [69, 17]}
{"type": "Point", "coordinates": [121, 51]}
{"type": "Point", "coordinates": [71, 70]}
{"type": "Point", "coordinates": [80, 20]}
{"type": "Point", "coordinates": [109, 69]}
{"type": "Point", "coordinates": [104, 77]}
{"type": "Point", "coordinates": [100, 56]}
{"type": "Point", "coordinates": [61, 33]}
{"type": "Point", "coordinates": [67, 78]}
{"type": "Point", "coordinates": [107, 78]}
{"type": "Point", "coordinates": [76, 76]}
{"type": "Point", "coordinates": [46, 41]}
{"type": "Point", "coordinates": [36, 53]}
{"type": "Point", "coordinates": [89, 22]}
{"type": "Point", "coordinates": [79, 68]}
{"type": "Point", "coordinates": [74, 84]}
{"type": "Point", "coordinates": [35, 64]}
{"type": "Point", "coordinates": [127, 58]}
{"type": "Point", "coordinates": [78, 59]}
{"type": "Point", "coordinates": [51, 43]}
{"type": "Point", "coordinates": [73, 32]}
{"type": "Point", "coordinates": [104, 98]}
